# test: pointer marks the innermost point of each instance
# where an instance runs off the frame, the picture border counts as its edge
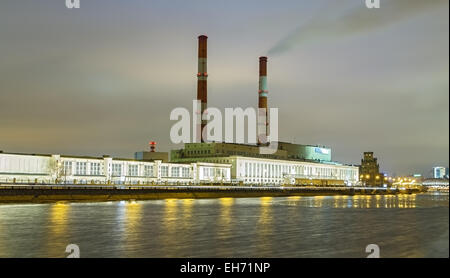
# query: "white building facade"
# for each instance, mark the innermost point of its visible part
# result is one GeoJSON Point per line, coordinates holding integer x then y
{"type": "Point", "coordinates": [251, 170]}
{"type": "Point", "coordinates": [31, 168]}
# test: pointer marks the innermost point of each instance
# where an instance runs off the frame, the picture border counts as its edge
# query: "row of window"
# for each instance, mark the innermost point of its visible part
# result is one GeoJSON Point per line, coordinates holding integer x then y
{"type": "Point", "coordinates": [81, 168]}
{"type": "Point", "coordinates": [212, 172]}
{"type": "Point", "coordinates": [133, 170]}
{"type": "Point", "coordinates": [174, 172]}
{"type": "Point", "coordinates": [95, 169]}
{"type": "Point", "coordinates": [199, 152]}
{"type": "Point", "coordinates": [265, 170]}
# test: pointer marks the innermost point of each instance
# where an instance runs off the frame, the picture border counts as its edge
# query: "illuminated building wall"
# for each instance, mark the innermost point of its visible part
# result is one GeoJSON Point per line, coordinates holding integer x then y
{"type": "Point", "coordinates": [31, 168]}
{"type": "Point", "coordinates": [253, 170]}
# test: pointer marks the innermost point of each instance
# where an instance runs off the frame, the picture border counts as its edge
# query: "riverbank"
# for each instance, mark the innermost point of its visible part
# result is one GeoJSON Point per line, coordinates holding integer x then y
{"type": "Point", "coordinates": [77, 193]}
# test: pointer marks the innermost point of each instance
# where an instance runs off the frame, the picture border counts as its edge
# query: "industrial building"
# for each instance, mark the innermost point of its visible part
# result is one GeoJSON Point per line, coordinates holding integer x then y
{"type": "Point", "coordinates": [254, 170]}
{"type": "Point", "coordinates": [284, 151]}
{"type": "Point", "coordinates": [290, 164]}
{"type": "Point", "coordinates": [293, 164]}
{"type": "Point", "coordinates": [54, 168]}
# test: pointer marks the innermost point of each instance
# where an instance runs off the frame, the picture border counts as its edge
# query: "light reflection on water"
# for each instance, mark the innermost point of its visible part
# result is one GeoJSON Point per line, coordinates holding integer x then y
{"type": "Point", "coordinates": [357, 201]}
{"type": "Point", "coordinates": [316, 226]}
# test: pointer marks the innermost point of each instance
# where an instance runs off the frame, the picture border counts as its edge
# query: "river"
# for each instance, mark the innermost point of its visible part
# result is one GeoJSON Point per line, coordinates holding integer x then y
{"type": "Point", "coordinates": [334, 226]}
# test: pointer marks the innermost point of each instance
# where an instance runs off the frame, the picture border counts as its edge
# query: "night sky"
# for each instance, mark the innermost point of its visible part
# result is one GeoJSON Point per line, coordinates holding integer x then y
{"type": "Point", "coordinates": [103, 79]}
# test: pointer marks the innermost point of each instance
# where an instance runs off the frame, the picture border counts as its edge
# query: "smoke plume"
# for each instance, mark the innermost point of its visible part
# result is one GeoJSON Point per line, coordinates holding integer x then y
{"type": "Point", "coordinates": [356, 20]}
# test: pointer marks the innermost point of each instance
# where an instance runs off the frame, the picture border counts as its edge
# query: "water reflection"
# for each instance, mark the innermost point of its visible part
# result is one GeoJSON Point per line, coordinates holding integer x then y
{"type": "Point", "coordinates": [404, 201]}
{"type": "Point", "coordinates": [265, 227]}
{"type": "Point", "coordinates": [318, 201]}
{"type": "Point", "coordinates": [169, 227]}
{"type": "Point", "coordinates": [129, 223]}
{"type": "Point", "coordinates": [3, 242]}
{"type": "Point", "coordinates": [58, 218]}
{"type": "Point", "coordinates": [225, 218]}
{"type": "Point", "coordinates": [188, 204]}
{"type": "Point", "coordinates": [58, 231]}
{"type": "Point", "coordinates": [133, 215]}
{"type": "Point", "coordinates": [332, 226]}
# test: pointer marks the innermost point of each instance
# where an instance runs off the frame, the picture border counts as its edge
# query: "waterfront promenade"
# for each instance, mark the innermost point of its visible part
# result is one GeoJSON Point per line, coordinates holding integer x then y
{"type": "Point", "coordinates": [53, 193]}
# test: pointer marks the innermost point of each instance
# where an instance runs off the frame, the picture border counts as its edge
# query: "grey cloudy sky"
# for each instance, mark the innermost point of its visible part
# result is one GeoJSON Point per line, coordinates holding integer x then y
{"type": "Point", "coordinates": [103, 79]}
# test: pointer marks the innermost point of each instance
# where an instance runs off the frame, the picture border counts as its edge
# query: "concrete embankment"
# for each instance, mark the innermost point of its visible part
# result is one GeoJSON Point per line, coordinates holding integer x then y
{"type": "Point", "coordinates": [76, 193]}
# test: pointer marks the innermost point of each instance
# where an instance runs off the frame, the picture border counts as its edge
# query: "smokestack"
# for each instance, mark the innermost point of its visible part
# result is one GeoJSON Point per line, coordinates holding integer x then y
{"type": "Point", "coordinates": [202, 76]}
{"type": "Point", "coordinates": [152, 145]}
{"type": "Point", "coordinates": [263, 124]}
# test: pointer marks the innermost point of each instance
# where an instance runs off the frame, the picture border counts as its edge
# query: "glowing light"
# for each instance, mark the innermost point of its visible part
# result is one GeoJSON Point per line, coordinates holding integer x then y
{"type": "Point", "coordinates": [227, 201]}
{"type": "Point", "coordinates": [59, 217]}
{"type": "Point", "coordinates": [265, 201]}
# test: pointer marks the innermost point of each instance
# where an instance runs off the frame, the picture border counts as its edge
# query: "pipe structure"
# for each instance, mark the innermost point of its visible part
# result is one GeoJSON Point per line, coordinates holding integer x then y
{"type": "Point", "coordinates": [263, 125]}
{"type": "Point", "coordinates": [202, 76]}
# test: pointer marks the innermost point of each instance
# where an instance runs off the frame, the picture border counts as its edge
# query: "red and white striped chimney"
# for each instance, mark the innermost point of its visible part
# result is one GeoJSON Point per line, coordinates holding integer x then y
{"type": "Point", "coordinates": [202, 76]}
{"type": "Point", "coordinates": [263, 125]}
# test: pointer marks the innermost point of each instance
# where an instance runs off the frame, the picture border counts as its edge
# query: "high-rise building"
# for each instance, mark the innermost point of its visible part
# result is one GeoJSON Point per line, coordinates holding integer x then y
{"type": "Point", "coordinates": [438, 172]}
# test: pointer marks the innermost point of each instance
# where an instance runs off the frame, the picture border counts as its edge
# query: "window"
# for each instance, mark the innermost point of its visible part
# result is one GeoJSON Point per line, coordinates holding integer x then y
{"type": "Point", "coordinates": [95, 168]}
{"type": "Point", "coordinates": [133, 170]}
{"type": "Point", "coordinates": [67, 168]}
{"type": "Point", "coordinates": [175, 172]}
{"type": "Point", "coordinates": [185, 172]}
{"type": "Point", "coordinates": [148, 170]}
{"type": "Point", "coordinates": [219, 172]}
{"type": "Point", "coordinates": [80, 168]}
{"type": "Point", "coordinates": [116, 169]}
{"type": "Point", "coordinates": [164, 171]}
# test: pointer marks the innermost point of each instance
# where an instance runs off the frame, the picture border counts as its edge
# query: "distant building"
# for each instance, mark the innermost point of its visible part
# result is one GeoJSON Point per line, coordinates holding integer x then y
{"type": "Point", "coordinates": [436, 183]}
{"type": "Point", "coordinates": [369, 171]}
{"type": "Point", "coordinates": [151, 156]}
{"type": "Point", "coordinates": [438, 172]}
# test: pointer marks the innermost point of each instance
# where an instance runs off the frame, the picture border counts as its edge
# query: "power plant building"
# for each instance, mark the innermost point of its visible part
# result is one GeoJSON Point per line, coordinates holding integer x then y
{"type": "Point", "coordinates": [257, 170]}
{"type": "Point", "coordinates": [284, 151]}
{"type": "Point", "coordinates": [197, 162]}
{"type": "Point", "coordinates": [289, 163]}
